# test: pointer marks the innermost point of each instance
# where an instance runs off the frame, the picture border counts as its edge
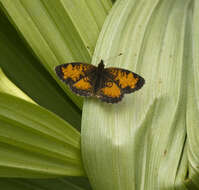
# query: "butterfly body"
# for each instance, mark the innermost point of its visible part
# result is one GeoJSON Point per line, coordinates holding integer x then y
{"type": "Point", "coordinates": [108, 84]}
{"type": "Point", "coordinates": [97, 77]}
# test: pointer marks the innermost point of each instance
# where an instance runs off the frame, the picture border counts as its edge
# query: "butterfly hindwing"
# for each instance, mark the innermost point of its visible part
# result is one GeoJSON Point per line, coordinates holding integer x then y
{"type": "Point", "coordinates": [77, 76]}
{"type": "Point", "coordinates": [126, 80]}
{"type": "Point", "coordinates": [109, 91]}
{"type": "Point", "coordinates": [83, 87]}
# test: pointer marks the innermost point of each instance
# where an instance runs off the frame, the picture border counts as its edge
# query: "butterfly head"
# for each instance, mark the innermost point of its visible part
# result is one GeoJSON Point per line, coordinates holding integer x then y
{"type": "Point", "coordinates": [101, 65]}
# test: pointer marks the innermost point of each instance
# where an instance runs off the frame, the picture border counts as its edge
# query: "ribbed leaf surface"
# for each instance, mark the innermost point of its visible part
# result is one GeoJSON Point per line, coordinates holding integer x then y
{"type": "Point", "coordinates": [35, 142]}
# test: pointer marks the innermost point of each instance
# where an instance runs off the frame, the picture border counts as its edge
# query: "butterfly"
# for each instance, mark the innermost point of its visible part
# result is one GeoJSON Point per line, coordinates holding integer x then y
{"type": "Point", "coordinates": [107, 84]}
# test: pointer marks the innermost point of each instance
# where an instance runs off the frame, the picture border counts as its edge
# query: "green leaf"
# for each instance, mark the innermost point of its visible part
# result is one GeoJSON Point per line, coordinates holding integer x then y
{"type": "Point", "coordinates": [35, 142]}
{"type": "Point", "coordinates": [27, 73]}
{"type": "Point", "coordinates": [58, 31]}
{"type": "Point", "coordinates": [150, 139]}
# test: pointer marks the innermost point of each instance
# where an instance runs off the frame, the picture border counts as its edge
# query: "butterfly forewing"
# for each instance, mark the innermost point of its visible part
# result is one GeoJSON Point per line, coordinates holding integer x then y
{"type": "Point", "coordinates": [126, 80]}
{"type": "Point", "coordinates": [72, 72]}
{"type": "Point", "coordinates": [77, 76]}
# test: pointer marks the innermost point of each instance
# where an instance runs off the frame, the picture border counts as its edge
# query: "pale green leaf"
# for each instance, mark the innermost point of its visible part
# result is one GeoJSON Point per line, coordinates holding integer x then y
{"type": "Point", "coordinates": [150, 139]}
{"type": "Point", "coordinates": [35, 142]}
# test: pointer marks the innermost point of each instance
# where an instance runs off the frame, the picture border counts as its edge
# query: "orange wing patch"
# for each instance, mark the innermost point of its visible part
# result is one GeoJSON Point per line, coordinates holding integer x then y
{"type": "Point", "coordinates": [125, 79]}
{"type": "Point", "coordinates": [83, 84]}
{"type": "Point", "coordinates": [111, 90]}
{"type": "Point", "coordinates": [73, 72]}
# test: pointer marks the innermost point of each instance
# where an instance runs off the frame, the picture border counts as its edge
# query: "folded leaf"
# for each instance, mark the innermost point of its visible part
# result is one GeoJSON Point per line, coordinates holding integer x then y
{"type": "Point", "coordinates": [7, 86]}
{"type": "Point", "coordinates": [25, 71]}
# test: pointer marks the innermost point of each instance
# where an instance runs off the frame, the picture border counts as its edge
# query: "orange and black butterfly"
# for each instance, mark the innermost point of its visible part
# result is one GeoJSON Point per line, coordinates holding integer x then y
{"type": "Point", "coordinates": [108, 84]}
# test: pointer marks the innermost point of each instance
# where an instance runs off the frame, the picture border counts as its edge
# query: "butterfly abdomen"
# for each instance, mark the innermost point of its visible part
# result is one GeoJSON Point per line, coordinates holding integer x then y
{"type": "Point", "coordinates": [97, 81]}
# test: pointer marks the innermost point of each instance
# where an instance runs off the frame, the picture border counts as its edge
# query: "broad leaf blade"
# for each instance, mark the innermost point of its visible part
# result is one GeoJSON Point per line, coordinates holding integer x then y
{"type": "Point", "coordinates": [35, 142]}
{"type": "Point", "coordinates": [141, 142]}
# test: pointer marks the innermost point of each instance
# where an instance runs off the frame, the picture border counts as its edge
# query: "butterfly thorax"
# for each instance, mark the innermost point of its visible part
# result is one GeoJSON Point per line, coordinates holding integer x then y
{"type": "Point", "coordinates": [100, 67]}
{"type": "Point", "coordinates": [98, 76]}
